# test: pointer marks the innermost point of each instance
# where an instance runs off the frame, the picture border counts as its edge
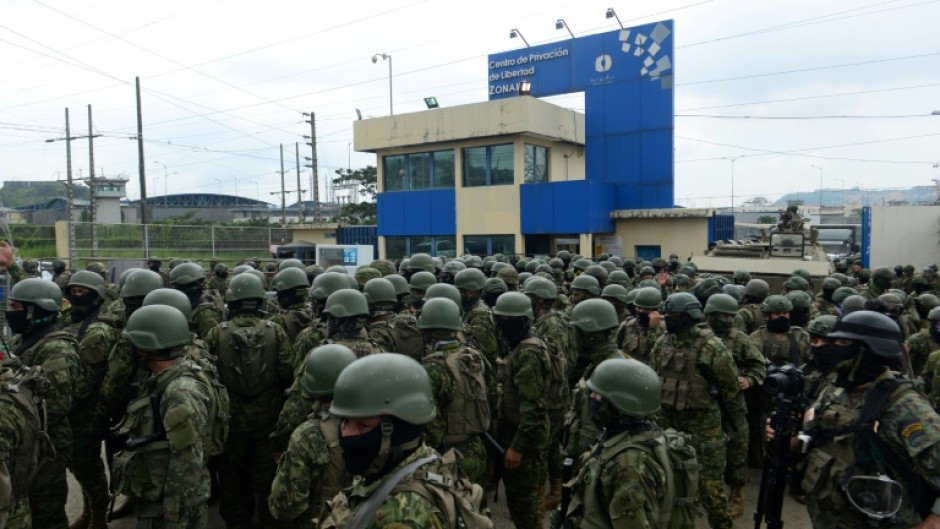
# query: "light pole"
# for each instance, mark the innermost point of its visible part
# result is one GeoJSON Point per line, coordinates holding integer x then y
{"type": "Point", "coordinates": [820, 185]}
{"type": "Point", "coordinates": [349, 157]}
{"type": "Point", "coordinates": [734, 159]}
{"type": "Point", "coordinates": [165, 176]}
{"type": "Point", "coordinates": [386, 57]}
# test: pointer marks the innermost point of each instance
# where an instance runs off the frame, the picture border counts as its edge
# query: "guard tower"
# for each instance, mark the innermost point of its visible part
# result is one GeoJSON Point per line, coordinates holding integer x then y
{"type": "Point", "coordinates": [106, 195]}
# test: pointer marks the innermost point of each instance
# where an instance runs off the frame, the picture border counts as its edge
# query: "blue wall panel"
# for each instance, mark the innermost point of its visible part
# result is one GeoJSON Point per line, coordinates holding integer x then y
{"type": "Point", "coordinates": [566, 207]}
{"type": "Point", "coordinates": [417, 213]}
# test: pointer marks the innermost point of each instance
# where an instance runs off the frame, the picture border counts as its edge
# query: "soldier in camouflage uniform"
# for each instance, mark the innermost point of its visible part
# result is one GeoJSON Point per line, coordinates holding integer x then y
{"type": "Point", "coordinates": [384, 401]}
{"type": "Point", "coordinates": [477, 316]}
{"type": "Point", "coordinates": [823, 303]}
{"type": "Point", "coordinates": [254, 359]}
{"type": "Point", "coordinates": [636, 336]}
{"type": "Point", "coordinates": [552, 327]}
{"type": "Point", "coordinates": [690, 359]}
{"type": "Point", "coordinates": [220, 278]}
{"type": "Point", "coordinates": [594, 325]}
{"type": "Point", "coordinates": [881, 281]}
{"type": "Point", "coordinates": [720, 311]}
{"type": "Point", "coordinates": [509, 276]}
{"type": "Point", "coordinates": [881, 457]}
{"type": "Point", "coordinates": [453, 367]}
{"type": "Point", "coordinates": [32, 313]}
{"type": "Point", "coordinates": [309, 338]}
{"type": "Point", "coordinates": [583, 287]}
{"type": "Point", "coordinates": [23, 441]}
{"type": "Point", "coordinates": [364, 274]}
{"type": "Point", "coordinates": [755, 292]}
{"type": "Point", "coordinates": [170, 421]}
{"type": "Point", "coordinates": [926, 344]}
{"type": "Point", "coordinates": [96, 336]}
{"type": "Point", "coordinates": [380, 293]}
{"type": "Point", "coordinates": [621, 485]}
{"type": "Point", "coordinates": [294, 315]}
{"type": "Point", "coordinates": [153, 264]}
{"type": "Point", "coordinates": [60, 275]}
{"type": "Point", "coordinates": [190, 279]}
{"type": "Point", "coordinates": [523, 423]}
{"type": "Point", "coordinates": [492, 289]}
{"type": "Point", "coordinates": [778, 340]}
{"type": "Point", "coordinates": [311, 470]}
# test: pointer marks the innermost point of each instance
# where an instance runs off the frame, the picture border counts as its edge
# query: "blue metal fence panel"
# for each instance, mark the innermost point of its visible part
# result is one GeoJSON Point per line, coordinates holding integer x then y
{"type": "Point", "coordinates": [721, 227]}
{"type": "Point", "coordinates": [866, 236]}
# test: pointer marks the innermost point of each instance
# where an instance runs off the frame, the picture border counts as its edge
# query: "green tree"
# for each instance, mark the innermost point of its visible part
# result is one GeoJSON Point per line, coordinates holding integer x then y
{"type": "Point", "coordinates": [766, 219]}
{"type": "Point", "coordinates": [367, 181]}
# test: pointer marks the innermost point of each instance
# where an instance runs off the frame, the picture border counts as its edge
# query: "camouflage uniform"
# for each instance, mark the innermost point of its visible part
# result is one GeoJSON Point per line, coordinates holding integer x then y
{"type": "Point", "coordinates": [55, 351]}
{"type": "Point", "coordinates": [921, 346]}
{"type": "Point", "coordinates": [636, 341]}
{"type": "Point", "coordinates": [206, 316]}
{"type": "Point", "coordinates": [523, 425]}
{"type": "Point", "coordinates": [249, 450]}
{"type": "Point", "coordinates": [753, 317]}
{"type": "Point", "coordinates": [776, 347]}
{"type": "Point", "coordinates": [62, 280]}
{"type": "Point", "coordinates": [444, 387]}
{"type": "Point", "coordinates": [310, 472]}
{"type": "Point", "coordinates": [308, 340]}
{"type": "Point", "coordinates": [750, 364]}
{"type": "Point", "coordinates": [382, 330]}
{"type": "Point", "coordinates": [553, 329]}
{"type": "Point", "coordinates": [580, 430]}
{"type": "Point", "coordinates": [676, 358]}
{"type": "Point", "coordinates": [180, 498]}
{"type": "Point", "coordinates": [481, 332]}
{"type": "Point", "coordinates": [293, 319]}
{"type": "Point", "coordinates": [908, 426]}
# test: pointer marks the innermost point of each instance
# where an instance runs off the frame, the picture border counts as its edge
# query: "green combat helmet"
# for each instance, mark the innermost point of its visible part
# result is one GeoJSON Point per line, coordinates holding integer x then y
{"type": "Point", "coordinates": [365, 273]}
{"type": "Point", "coordinates": [648, 298]}
{"type": "Point", "coordinates": [800, 300]}
{"type": "Point", "coordinates": [471, 279]}
{"type": "Point", "coordinates": [821, 326]}
{"type": "Point", "coordinates": [722, 303]}
{"type": "Point", "coordinates": [619, 277]}
{"type": "Point", "coordinates": [384, 266]}
{"type": "Point", "coordinates": [58, 266]}
{"type": "Point", "coordinates": [244, 287]}
{"type": "Point", "coordinates": [582, 264]}
{"type": "Point", "coordinates": [741, 276]}
{"type": "Point", "coordinates": [290, 263]}
{"type": "Point", "coordinates": [43, 294]}
{"type": "Point", "coordinates": [326, 284]}
{"type": "Point", "coordinates": [841, 293]}
{"type": "Point", "coordinates": [440, 313]}
{"type": "Point", "coordinates": [796, 283]}
{"type": "Point", "coordinates": [142, 282]}
{"type": "Point", "coordinates": [420, 281]}
{"type": "Point", "coordinates": [632, 387]}
{"type": "Point", "coordinates": [852, 304]}
{"type": "Point", "coordinates": [98, 268]}
{"type": "Point", "coordinates": [757, 289]}
{"type": "Point", "coordinates": [384, 384]}
{"type": "Point", "coordinates": [593, 315]}
{"type": "Point", "coordinates": [172, 297]}
{"type": "Point", "coordinates": [616, 292]}
{"type": "Point", "coordinates": [598, 273]}
{"type": "Point", "coordinates": [422, 262]}
{"type": "Point", "coordinates": [510, 276]}
{"type": "Point", "coordinates": [443, 290]}
{"type": "Point", "coordinates": [587, 283]}
{"type": "Point", "coordinates": [774, 304]}
{"type": "Point", "coordinates": [322, 367]}
{"type": "Point", "coordinates": [291, 278]}
{"type": "Point", "coordinates": [380, 291]}
{"type": "Point", "coordinates": [158, 328]}
{"type": "Point", "coordinates": [541, 288]}
{"type": "Point", "coordinates": [492, 290]}
{"type": "Point", "coordinates": [400, 284]}
{"type": "Point", "coordinates": [682, 302]}
{"type": "Point", "coordinates": [185, 274]}
{"type": "Point", "coordinates": [91, 281]}
{"type": "Point", "coordinates": [347, 303]}
{"type": "Point", "coordinates": [515, 305]}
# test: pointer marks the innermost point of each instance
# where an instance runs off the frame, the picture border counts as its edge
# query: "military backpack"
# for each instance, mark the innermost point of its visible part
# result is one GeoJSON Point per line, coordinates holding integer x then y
{"type": "Point", "coordinates": [248, 358]}
{"type": "Point", "coordinates": [25, 389]}
{"type": "Point", "coordinates": [469, 412]}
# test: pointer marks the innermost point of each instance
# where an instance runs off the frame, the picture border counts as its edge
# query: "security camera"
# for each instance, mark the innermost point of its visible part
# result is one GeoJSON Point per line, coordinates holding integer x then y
{"type": "Point", "coordinates": [375, 59]}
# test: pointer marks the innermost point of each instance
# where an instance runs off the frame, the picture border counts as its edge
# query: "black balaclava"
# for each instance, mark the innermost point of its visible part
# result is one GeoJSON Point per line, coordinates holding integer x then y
{"type": "Point", "coordinates": [377, 451]}
{"type": "Point", "coordinates": [513, 330]}
{"type": "Point", "coordinates": [779, 325]}
{"type": "Point", "coordinates": [679, 322]}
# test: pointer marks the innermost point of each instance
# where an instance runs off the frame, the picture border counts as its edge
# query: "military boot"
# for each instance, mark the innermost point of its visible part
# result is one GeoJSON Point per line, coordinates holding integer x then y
{"type": "Point", "coordinates": [554, 495]}
{"type": "Point", "coordinates": [82, 521]}
{"type": "Point", "coordinates": [126, 508]}
{"type": "Point", "coordinates": [737, 502]}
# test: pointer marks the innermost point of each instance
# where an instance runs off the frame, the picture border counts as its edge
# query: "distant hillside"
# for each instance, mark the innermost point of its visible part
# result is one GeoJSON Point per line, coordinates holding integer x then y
{"type": "Point", "coordinates": [863, 197]}
{"type": "Point", "coordinates": [16, 194]}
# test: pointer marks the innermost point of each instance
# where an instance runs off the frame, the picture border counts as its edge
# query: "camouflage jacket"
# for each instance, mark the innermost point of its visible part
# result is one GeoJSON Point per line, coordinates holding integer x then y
{"type": "Point", "coordinates": [57, 353]}
{"type": "Point", "coordinates": [206, 316]}
{"type": "Point", "coordinates": [748, 361]}
{"type": "Point", "coordinates": [921, 347]}
{"type": "Point", "coordinates": [523, 411]}
{"type": "Point", "coordinates": [580, 430]}
{"type": "Point", "coordinates": [753, 317]}
{"type": "Point", "coordinates": [481, 331]}
{"type": "Point", "coordinates": [553, 329]}
{"type": "Point", "coordinates": [778, 349]}
{"type": "Point", "coordinates": [637, 341]}
{"type": "Point", "coordinates": [308, 340]}
{"type": "Point", "coordinates": [382, 330]}
{"type": "Point", "coordinates": [293, 320]}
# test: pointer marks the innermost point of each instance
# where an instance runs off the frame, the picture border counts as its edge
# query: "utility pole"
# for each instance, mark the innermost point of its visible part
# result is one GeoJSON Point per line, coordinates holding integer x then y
{"type": "Point", "coordinates": [69, 193]}
{"type": "Point", "coordinates": [93, 188]}
{"type": "Point", "coordinates": [300, 202]}
{"type": "Point", "coordinates": [314, 174]}
{"type": "Point", "coordinates": [141, 168]}
{"type": "Point", "coordinates": [283, 194]}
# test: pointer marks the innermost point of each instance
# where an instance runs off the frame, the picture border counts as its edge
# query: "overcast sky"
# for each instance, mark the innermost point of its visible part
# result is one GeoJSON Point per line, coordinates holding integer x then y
{"type": "Point", "coordinates": [225, 82]}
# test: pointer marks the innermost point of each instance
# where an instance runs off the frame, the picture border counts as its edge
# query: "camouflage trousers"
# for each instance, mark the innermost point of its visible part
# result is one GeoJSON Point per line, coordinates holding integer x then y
{"type": "Point", "coordinates": [523, 486]}
{"type": "Point", "coordinates": [553, 452]}
{"type": "Point", "coordinates": [473, 459]}
{"type": "Point", "coordinates": [18, 516]}
{"type": "Point", "coordinates": [150, 516]}
{"type": "Point", "coordinates": [49, 492]}
{"type": "Point", "coordinates": [245, 475]}
{"type": "Point", "coordinates": [736, 464]}
{"type": "Point", "coordinates": [710, 449]}
{"type": "Point", "coordinates": [86, 463]}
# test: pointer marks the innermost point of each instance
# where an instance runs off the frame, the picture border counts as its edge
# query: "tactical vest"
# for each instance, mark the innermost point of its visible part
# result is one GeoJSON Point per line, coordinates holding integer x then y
{"type": "Point", "coordinates": [836, 430]}
{"type": "Point", "coordinates": [334, 477]}
{"type": "Point", "coordinates": [24, 391]}
{"type": "Point", "coordinates": [684, 387]}
{"type": "Point", "coordinates": [360, 346]}
{"type": "Point", "coordinates": [468, 413]}
{"type": "Point", "coordinates": [509, 399]}
{"type": "Point", "coordinates": [248, 358]}
{"type": "Point", "coordinates": [779, 351]}
{"type": "Point", "coordinates": [408, 336]}
{"type": "Point", "coordinates": [756, 317]}
{"type": "Point", "coordinates": [295, 321]}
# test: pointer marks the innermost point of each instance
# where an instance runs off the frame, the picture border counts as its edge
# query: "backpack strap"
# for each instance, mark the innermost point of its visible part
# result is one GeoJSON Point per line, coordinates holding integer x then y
{"type": "Point", "coordinates": [368, 508]}
{"type": "Point", "coordinates": [794, 349]}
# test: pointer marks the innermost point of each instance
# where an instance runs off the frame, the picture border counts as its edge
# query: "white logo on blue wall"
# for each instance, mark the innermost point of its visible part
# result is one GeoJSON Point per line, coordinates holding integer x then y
{"type": "Point", "coordinates": [650, 45]}
{"type": "Point", "coordinates": [603, 63]}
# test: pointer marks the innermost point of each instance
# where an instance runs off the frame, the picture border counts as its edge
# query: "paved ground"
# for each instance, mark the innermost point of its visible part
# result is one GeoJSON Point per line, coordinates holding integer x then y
{"type": "Point", "coordinates": [794, 514]}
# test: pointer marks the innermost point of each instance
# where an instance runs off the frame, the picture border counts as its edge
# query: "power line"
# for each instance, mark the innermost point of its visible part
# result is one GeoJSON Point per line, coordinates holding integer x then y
{"type": "Point", "coordinates": [818, 96]}
{"type": "Point", "coordinates": [717, 116]}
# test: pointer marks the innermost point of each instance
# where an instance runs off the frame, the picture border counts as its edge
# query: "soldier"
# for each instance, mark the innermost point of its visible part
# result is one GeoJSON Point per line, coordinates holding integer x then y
{"type": "Point", "coordinates": [720, 311]}
{"type": "Point", "coordinates": [419, 282]}
{"type": "Point", "coordinates": [778, 340]}
{"type": "Point", "coordinates": [316, 332]}
{"type": "Point", "coordinates": [741, 277]}
{"type": "Point", "coordinates": [451, 269]}
{"type": "Point", "coordinates": [294, 315]}
{"type": "Point", "coordinates": [153, 264]}
{"type": "Point", "coordinates": [96, 336]}
{"type": "Point", "coordinates": [459, 382]}
{"type": "Point", "coordinates": [582, 288]}
{"type": "Point", "coordinates": [23, 440]}
{"type": "Point", "coordinates": [492, 289]}
{"type": "Point", "coordinates": [802, 307]}
{"type": "Point", "coordinates": [637, 335]}
{"type": "Point", "coordinates": [623, 482]}
{"type": "Point", "coordinates": [32, 314]}
{"type": "Point", "coordinates": [755, 292]}
{"type": "Point", "coordinates": [190, 279]}
{"type": "Point", "coordinates": [692, 363]}
{"type": "Point", "coordinates": [311, 470]}
{"type": "Point", "coordinates": [254, 358]}
{"type": "Point", "coordinates": [510, 277]}
{"type": "Point", "coordinates": [924, 351]}
{"type": "Point", "coordinates": [874, 458]}
{"type": "Point", "coordinates": [380, 293]}
{"type": "Point", "coordinates": [552, 327]}
{"type": "Point", "coordinates": [477, 316]}
{"type": "Point", "coordinates": [824, 303]}
{"type": "Point", "coordinates": [593, 323]}
{"type": "Point", "coordinates": [60, 275]}
{"type": "Point", "coordinates": [165, 431]}
{"type": "Point", "coordinates": [383, 402]}
{"type": "Point", "coordinates": [881, 280]}
{"type": "Point", "coordinates": [347, 315]}
{"type": "Point", "coordinates": [523, 424]}
{"type": "Point", "coordinates": [220, 278]}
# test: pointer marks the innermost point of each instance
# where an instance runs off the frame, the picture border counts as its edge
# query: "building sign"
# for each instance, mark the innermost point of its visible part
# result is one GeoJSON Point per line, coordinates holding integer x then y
{"type": "Point", "coordinates": [611, 245]}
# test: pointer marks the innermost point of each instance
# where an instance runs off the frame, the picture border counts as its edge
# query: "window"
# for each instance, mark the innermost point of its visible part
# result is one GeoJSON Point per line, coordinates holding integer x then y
{"type": "Point", "coordinates": [489, 244]}
{"type": "Point", "coordinates": [536, 164]}
{"type": "Point", "coordinates": [491, 165]}
{"type": "Point", "coordinates": [648, 252]}
{"type": "Point", "coordinates": [421, 170]}
{"type": "Point", "coordinates": [396, 247]}
{"type": "Point", "coordinates": [399, 247]}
